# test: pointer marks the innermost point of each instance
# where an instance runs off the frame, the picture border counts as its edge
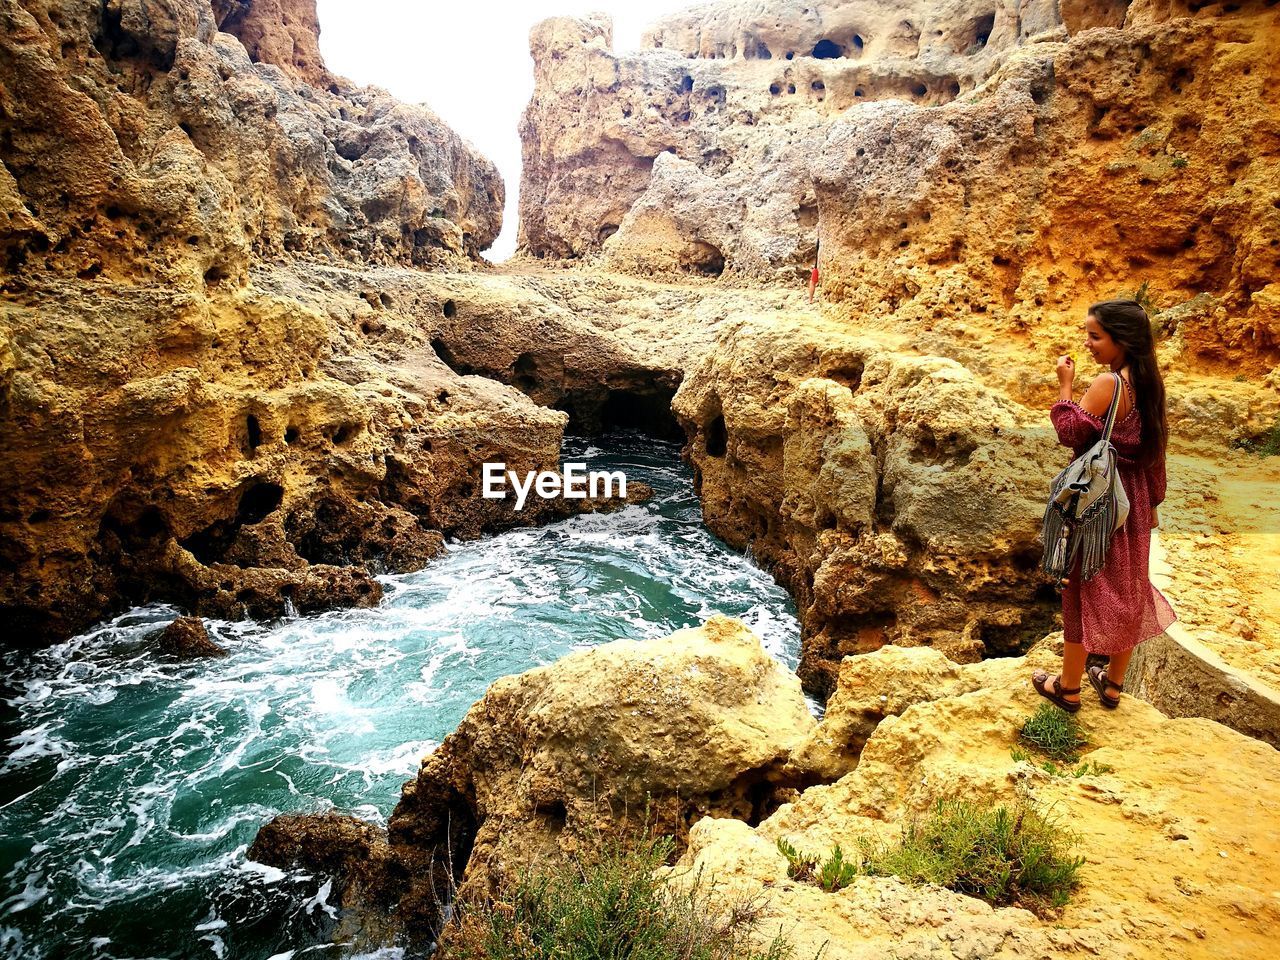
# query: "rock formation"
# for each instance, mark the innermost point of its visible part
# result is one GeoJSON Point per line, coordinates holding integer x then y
{"type": "Point", "coordinates": [708, 728]}
{"type": "Point", "coordinates": [207, 394]}
{"type": "Point", "coordinates": [693, 154]}
{"type": "Point", "coordinates": [633, 735]}
{"type": "Point", "coordinates": [894, 495]}
{"type": "Point", "coordinates": [953, 158]}
{"type": "Point", "coordinates": [1165, 873]}
{"type": "Point", "coordinates": [187, 639]}
{"type": "Point", "coordinates": [1076, 170]}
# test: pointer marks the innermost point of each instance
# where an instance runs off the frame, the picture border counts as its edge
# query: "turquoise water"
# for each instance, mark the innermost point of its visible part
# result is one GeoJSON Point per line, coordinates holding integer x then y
{"type": "Point", "coordinates": [131, 787]}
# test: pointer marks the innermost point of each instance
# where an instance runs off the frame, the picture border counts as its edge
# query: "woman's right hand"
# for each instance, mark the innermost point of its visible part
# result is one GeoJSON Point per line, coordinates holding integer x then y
{"type": "Point", "coordinates": [1066, 370]}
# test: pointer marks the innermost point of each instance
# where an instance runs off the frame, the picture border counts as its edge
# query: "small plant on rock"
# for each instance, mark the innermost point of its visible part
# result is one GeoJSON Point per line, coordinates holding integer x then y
{"type": "Point", "coordinates": [1089, 768]}
{"type": "Point", "coordinates": [836, 872]}
{"type": "Point", "coordinates": [832, 874]}
{"type": "Point", "coordinates": [1003, 854]}
{"type": "Point", "coordinates": [800, 866]}
{"type": "Point", "coordinates": [616, 905]}
{"type": "Point", "coordinates": [1265, 445]}
{"type": "Point", "coordinates": [1055, 733]}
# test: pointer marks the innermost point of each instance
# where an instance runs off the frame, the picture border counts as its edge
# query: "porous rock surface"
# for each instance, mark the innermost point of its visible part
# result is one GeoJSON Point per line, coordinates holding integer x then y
{"type": "Point", "coordinates": [1079, 169]}
{"type": "Point", "coordinates": [896, 496]}
{"type": "Point", "coordinates": [208, 394]}
{"type": "Point", "coordinates": [692, 154]}
{"type": "Point", "coordinates": [702, 722]}
{"type": "Point", "coordinates": [953, 159]}
{"type": "Point", "coordinates": [186, 638]}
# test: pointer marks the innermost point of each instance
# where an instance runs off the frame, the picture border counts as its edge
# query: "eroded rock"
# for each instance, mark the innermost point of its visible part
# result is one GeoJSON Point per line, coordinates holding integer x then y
{"type": "Point", "coordinates": [896, 496]}
{"type": "Point", "coordinates": [187, 639]}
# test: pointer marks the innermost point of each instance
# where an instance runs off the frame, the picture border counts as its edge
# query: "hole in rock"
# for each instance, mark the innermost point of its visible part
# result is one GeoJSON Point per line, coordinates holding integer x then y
{"type": "Point", "coordinates": [849, 374]}
{"type": "Point", "coordinates": [705, 258]}
{"type": "Point", "coordinates": [448, 359]}
{"type": "Point", "coordinates": [253, 433]}
{"type": "Point", "coordinates": [291, 434]}
{"type": "Point", "coordinates": [982, 31]}
{"type": "Point", "coordinates": [826, 49]}
{"type": "Point", "coordinates": [259, 502]}
{"type": "Point", "coordinates": [648, 411]}
{"type": "Point", "coordinates": [858, 43]}
{"type": "Point", "coordinates": [605, 232]}
{"type": "Point", "coordinates": [717, 437]}
{"type": "Point", "coordinates": [345, 433]}
{"type": "Point", "coordinates": [449, 309]}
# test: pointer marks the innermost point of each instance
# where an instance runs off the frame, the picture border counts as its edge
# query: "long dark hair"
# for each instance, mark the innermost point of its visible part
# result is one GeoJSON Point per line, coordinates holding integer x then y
{"type": "Point", "coordinates": [1130, 327]}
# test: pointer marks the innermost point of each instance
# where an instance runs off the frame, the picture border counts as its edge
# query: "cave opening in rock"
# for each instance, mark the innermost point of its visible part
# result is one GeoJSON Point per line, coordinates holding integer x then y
{"type": "Point", "coordinates": [982, 31]}
{"type": "Point", "coordinates": [716, 437]}
{"type": "Point", "coordinates": [705, 258]}
{"type": "Point", "coordinates": [259, 502]}
{"type": "Point", "coordinates": [643, 405]}
{"type": "Point", "coordinates": [826, 49]}
{"type": "Point", "coordinates": [858, 43]}
{"type": "Point", "coordinates": [134, 526]}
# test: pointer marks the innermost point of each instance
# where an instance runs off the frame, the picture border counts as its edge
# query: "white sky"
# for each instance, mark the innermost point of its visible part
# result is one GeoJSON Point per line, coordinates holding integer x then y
{"type": "Point", "coordinates": [468, 61]}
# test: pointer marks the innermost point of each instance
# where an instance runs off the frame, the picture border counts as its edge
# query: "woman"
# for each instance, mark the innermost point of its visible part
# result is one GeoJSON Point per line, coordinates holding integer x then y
{"type": "Point", "coordinates": [1118, 608]}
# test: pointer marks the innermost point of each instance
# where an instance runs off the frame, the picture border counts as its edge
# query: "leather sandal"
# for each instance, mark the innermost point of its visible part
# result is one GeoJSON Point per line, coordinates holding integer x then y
{"type": "Point", "coordinates": [1039, 681]}
{"type": "Point", "coordinates": [1098, 677]}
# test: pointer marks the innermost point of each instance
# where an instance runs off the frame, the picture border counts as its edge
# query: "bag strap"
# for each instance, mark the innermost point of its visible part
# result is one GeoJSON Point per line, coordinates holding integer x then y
{"type": "Point", "coordinates": [1111, 410]}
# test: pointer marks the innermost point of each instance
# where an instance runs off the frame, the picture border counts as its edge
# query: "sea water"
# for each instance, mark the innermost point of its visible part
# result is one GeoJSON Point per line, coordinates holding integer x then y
{"type": "Point", "coordinates": [131, 786]}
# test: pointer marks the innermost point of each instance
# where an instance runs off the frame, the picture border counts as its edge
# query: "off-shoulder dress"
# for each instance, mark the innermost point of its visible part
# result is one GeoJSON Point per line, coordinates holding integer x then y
{"type": "Point", "coordinates": [1119, 607]}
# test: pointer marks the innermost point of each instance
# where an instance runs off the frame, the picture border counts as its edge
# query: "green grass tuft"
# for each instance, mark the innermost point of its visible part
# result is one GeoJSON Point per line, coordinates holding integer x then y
{"type": "Point", "coordinates": [1265, 445]}
{"type": "Point", "coordinates": [1002, 855]}
{"type": "Point", "coordinates": [1179, 162]}
{"type": "Point", "coordinates": [1089, 768]}
{"type": "Point", "coordinates": [1055, 733]}
{"type": "Point", "coordinates": [614, 906]}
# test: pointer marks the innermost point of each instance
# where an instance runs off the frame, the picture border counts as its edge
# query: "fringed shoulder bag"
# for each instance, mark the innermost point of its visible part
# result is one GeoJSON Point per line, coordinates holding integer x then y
{"type": "Point", "coordinates": [1087, 504]}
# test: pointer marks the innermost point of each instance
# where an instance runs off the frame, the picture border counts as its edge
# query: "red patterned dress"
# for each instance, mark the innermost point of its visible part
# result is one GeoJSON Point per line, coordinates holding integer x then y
{"type": "Point", "coordinates": [1118, 607]}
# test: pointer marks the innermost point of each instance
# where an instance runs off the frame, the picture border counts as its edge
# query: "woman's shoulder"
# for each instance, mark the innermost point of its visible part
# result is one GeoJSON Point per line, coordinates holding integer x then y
{"type": "Point", "coordinates": [1097, 398]}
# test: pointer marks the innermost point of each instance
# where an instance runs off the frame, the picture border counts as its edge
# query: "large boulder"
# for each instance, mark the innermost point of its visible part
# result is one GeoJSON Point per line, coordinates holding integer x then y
{"type": "Point", "coordinates": [652, 733]}
{"type": "Point", "coordinates": [619, 739]}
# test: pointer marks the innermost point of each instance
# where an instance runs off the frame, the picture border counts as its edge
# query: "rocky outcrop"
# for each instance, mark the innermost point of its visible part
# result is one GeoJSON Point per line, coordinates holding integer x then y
{"type": "Point", "coordinates": [693, 154]}
{"type": "Point", "coordinates": [143, 144]}
{"type": "Point", "coordinates": [627, 736]}
{"type": "Point", "coordinates": [1165, 873]}
{"type": "Point", "coordinates": [952, 159]}
{"type": "Point", "coordinates": [896, 496]}
{"type": "Point", "coordinates": [187, 639]}
{"type": "Point", "coordinates": [285, 33]}
{"type": "Point", "coordinates": [210, 391]}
